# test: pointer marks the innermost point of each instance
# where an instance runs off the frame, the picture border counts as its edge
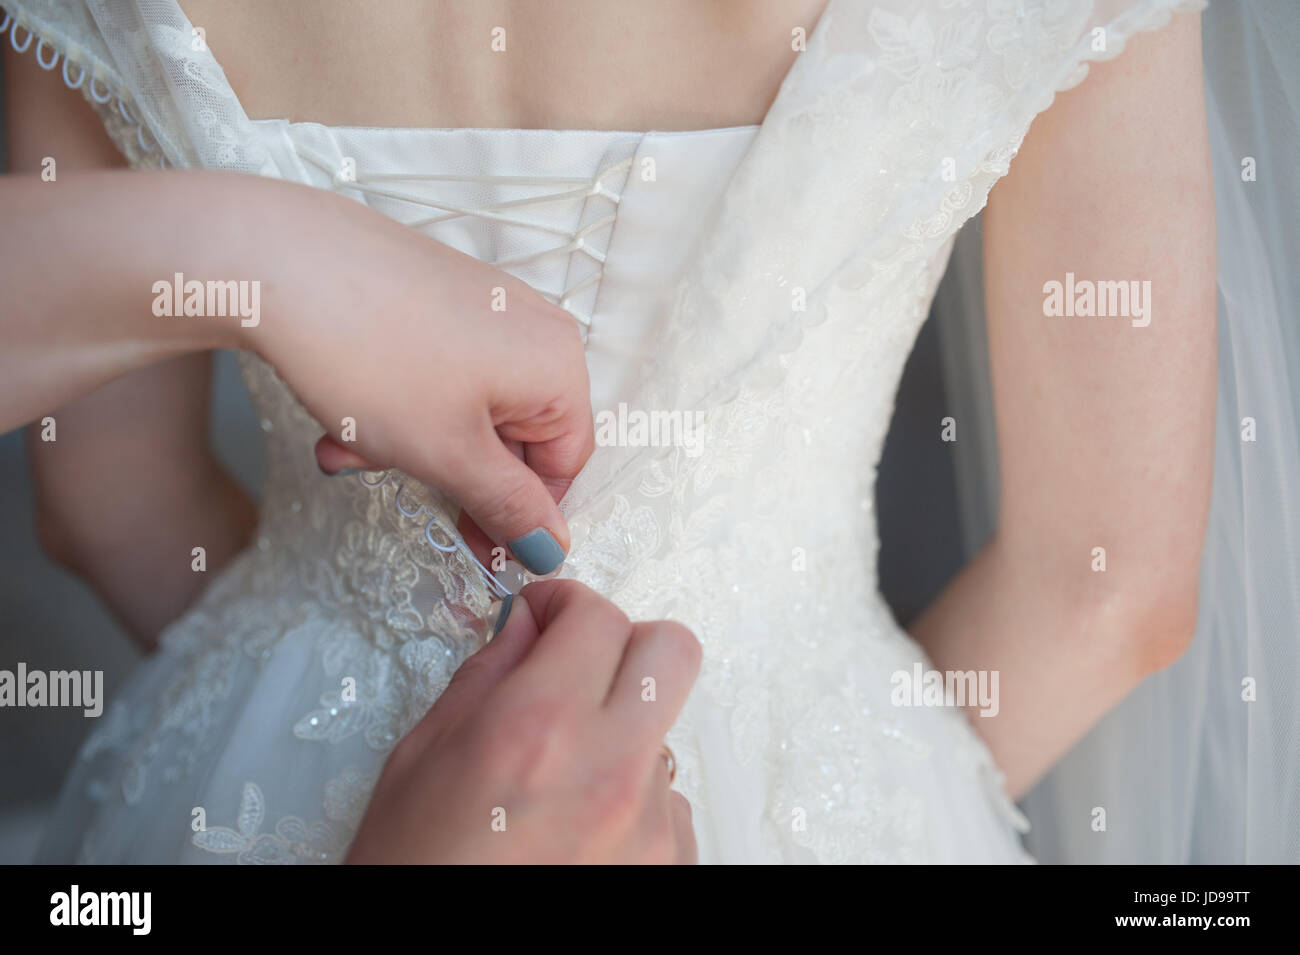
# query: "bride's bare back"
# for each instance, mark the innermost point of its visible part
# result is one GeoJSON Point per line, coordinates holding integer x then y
{"type": "Point", "coordinates": [559, 64]}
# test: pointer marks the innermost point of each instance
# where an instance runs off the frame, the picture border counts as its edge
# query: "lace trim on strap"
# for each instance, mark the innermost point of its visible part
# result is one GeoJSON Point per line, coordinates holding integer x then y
{"type": "Point", "coordinates": [101, 87]}
{"type": "Point", "coordinates": [160, 75]}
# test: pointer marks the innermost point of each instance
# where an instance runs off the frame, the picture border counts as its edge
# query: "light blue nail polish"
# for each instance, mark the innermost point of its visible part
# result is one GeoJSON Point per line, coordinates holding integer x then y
{"type": "Point", "coordinates": [537, 551]}
{"type": "Point", "coordinates": [503, 614]}
{"type": "Point", "coordinates": [345, 472]}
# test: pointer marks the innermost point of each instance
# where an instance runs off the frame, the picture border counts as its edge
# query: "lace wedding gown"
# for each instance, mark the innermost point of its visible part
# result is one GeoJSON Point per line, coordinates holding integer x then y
{"type": "Point", "coordinates": [771, 279]}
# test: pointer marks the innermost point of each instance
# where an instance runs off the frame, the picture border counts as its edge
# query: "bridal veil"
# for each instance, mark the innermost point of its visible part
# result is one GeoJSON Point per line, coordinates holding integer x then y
{"type": "Point", "coordinates": [1201, 763]}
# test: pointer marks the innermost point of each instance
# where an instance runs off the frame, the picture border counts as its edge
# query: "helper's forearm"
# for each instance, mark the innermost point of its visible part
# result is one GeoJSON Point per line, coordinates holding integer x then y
{"type": "Point", "coordinates": [78, 263]}
{"type": "Point", "coordinates": [129, 486]}
{"type": "Point", "coordinates": [1064, 656]}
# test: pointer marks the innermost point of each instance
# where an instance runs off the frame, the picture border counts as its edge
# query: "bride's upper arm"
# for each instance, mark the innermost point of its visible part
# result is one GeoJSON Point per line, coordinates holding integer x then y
{"type": "Point", "coordinates": [43, 117]}
{"type": "Point", "coordinates": [1105, 424]}
{"type": "Point", "coordinates": [143, 436]}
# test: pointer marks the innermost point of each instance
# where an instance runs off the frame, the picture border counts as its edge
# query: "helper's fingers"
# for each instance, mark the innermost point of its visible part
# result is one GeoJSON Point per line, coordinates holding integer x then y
{"type": "Point", "coordinates": [654, 678]}
{"type": "Point", "coordinates": [683, 830]}
{"type": "Point", "coordinates": [481, 673]}
{"type": "Point", "coordinates": [332, 457]}
{"type": "Point", "coordinates": [511, 504]}
{"type": "Point", "coordinates": [583, 638]}
{"type": "Point", "coordinates": [666, 833]}
{"type": "Point", "coordinates": [557, 448]}
{"type": "Point", "coordinates": [475, 538]}
{"type": "Point", "coordinates": [551, 415]}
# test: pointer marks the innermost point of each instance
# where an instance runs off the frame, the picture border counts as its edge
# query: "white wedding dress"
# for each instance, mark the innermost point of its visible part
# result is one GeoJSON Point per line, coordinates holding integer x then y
{"type": "Point", "coordinates": [771, 278]}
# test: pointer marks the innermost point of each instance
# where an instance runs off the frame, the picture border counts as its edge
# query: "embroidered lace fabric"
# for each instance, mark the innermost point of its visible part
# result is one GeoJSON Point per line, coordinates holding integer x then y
{"type": "Point", "coordinates": [779, 300]}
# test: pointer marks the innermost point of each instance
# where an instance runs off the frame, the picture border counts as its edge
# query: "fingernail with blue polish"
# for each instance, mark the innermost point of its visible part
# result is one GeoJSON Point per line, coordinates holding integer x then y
{"type": "Point", "coordinates": [503, 614]}
{"type": "Point", "coordinates": [344, 472]}
{"type": "Point", "coordinates": [537, 551]}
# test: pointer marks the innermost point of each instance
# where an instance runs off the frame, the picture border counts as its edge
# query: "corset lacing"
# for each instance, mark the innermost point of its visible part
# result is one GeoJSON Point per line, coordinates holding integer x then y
{"type": "Point", "coordinates": [569, 188]}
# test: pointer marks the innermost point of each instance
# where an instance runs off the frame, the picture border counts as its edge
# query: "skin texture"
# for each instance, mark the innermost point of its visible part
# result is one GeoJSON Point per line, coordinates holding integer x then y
{"type": "Point", "coordinates": [1104, 429]}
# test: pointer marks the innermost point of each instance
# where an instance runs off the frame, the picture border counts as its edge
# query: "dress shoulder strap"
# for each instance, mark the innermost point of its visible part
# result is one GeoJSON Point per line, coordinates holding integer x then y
{"type": "Point", "coordinates": [148, 72]}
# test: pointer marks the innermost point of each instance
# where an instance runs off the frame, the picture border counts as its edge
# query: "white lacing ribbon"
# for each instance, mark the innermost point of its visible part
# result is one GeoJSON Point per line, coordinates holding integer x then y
{"type": "Point", "coordinates": [47, 58]}
{"type": "Point", "coordinates": [373, 184]}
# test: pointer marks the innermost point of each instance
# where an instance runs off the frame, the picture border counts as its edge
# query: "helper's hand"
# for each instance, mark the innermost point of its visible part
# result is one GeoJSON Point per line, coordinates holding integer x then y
{"type": "Point", "coordinates": [544, 748]}
{"type": "Point", "coordinates": [453, 372]}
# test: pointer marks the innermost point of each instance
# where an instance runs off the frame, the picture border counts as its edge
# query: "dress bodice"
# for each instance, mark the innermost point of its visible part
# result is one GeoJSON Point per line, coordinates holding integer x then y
{"type": "Point", "coordinates": [602, 223]}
